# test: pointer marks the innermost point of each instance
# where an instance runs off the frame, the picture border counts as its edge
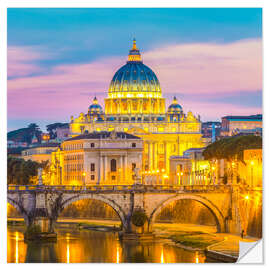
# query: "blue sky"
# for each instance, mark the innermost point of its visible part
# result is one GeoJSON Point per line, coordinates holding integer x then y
{"type": "Point", "coordinates": [72, 37]}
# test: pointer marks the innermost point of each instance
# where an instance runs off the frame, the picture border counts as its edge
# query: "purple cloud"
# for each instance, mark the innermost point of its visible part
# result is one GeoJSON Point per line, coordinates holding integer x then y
{"type": "Point", "coordinates": [198, 69]}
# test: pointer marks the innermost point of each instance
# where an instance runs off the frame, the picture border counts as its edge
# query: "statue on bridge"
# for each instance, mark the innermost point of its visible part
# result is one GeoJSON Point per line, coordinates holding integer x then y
{"type": "Point", "coordinates": [40, 181]}
{"type": "Point", "coordinates": [137, 176]}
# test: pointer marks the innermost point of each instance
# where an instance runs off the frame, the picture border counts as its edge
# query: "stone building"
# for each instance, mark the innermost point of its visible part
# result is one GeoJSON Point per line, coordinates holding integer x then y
{"type": "Point", "coordinates": [135, 105]}
{"type": "Point", "coordinates": [39, 152]}
{"type": "Point", "coordinates": [109, 158]}
{"type": "Point", "coordinates": [232, 125]}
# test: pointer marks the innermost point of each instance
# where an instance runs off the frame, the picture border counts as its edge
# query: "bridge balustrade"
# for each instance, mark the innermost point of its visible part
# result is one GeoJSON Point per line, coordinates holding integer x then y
{"type": "Point", "coordinates": [117, 187]}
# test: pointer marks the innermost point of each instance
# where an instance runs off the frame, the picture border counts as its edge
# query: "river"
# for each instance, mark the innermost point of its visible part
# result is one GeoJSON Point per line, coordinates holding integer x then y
{"type": "Point", "coordinates": [92, 246]}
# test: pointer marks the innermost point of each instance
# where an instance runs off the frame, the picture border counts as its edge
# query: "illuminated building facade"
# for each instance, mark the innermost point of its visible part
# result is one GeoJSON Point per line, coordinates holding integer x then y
{"type": "Point", "coordinates": [191, 168]}
{"type": "Point", "coordinates": [232, 125]}
{"type": "Point", "coordinates": [135, 105]}
{"type": "Point", "coordinates": [98, 158]}
{"type": "Point", "coordinates": [40, 152]}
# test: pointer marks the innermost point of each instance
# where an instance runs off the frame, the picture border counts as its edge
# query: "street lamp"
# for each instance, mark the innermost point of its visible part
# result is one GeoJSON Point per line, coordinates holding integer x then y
{"type": "Point", "coordinates": [181, 178]}
{"type": "Point", "coordinates": [84, 177]}
{"type": "Point", "coordinates": [213, 174]}
{"type": "Point", "coordinates": [157, 176]}
{"type": "Point", "coordinates": [252, 164]}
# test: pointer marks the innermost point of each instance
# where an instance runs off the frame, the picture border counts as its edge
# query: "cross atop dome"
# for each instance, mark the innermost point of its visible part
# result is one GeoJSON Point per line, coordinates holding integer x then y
{"type": "Point", "coordinates": [134, 53]}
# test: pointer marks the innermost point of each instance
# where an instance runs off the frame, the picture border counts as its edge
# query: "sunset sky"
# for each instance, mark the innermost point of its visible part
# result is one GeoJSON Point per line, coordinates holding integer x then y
{"type": "Point", "coordinates": [59, 59]}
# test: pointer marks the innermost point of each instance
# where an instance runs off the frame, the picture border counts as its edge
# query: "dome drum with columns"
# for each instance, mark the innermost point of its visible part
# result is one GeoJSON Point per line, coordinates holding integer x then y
{"type": "Point", "coordinates": [135, 105]}
{"type": "Point", "coordinates": [134, 89]}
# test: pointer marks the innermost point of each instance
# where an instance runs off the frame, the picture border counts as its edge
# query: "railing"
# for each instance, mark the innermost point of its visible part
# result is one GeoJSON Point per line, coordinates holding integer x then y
{"type": "Point", "coordinates": [204, 188]}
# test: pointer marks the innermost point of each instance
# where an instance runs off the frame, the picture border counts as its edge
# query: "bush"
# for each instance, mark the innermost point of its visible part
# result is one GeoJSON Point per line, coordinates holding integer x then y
{"type": "Point", "coordinates": [138, 218]}
{"type": "Point", "coordinates": [32, 230]}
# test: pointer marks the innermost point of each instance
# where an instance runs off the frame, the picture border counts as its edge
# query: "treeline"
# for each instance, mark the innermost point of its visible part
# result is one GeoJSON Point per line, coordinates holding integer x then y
{"type": "Point", "coordinates": [25, 134]}
{"type": "Point", "coordinates": [91, 209]}
{"type": "Point", "coordinates": [186, 211]}
{"type": "Point", "coordinates": [182, 211]}
{"type": "Point", "coordinates": [232, 147]}
{"type": "Point", "coordinates": [21, 172]}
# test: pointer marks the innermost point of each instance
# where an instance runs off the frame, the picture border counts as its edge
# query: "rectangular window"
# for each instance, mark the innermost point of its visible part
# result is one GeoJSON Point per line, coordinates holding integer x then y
{"type": "Point", "coordinates": [92, 167]}
{"type": "Point", "coordinates": [92, 177]}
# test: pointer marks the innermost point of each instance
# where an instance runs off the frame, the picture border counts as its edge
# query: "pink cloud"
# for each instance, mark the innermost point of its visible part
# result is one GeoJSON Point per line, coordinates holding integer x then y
{"type": "Point", "coordinates": [185, 68]}
{"type": "Point", "coordinates": [205, 68]}
{"type": "Point", "coordinates": [214, 111]}
{"type": "Point", "coordinates": [20, 60]}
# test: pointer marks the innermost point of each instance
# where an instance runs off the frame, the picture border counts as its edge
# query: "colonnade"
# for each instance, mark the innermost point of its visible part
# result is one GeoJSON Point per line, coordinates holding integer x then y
{"type": "Point", "coordinates": [153, 105]}
{"type": "Point", "coordinates": [153, 154]}
{"type": "Point", "coordinates": [121, 168]}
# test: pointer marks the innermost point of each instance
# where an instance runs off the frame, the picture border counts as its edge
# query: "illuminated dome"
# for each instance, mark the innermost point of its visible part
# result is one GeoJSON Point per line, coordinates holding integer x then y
{"type": "Point", "coordinates": [95, 108]}
{"type": "Point", "coordinates": [175, 107]}
{"type": "Point", "coordinates": [134, 79]}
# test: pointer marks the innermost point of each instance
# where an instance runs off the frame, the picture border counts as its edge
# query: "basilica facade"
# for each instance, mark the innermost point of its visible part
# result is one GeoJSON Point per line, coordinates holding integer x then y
{"type": "Point", "coordinates": [135, 105]}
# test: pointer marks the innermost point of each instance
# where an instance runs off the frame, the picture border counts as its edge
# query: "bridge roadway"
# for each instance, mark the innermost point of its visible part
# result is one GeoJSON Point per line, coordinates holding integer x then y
{"type": "Point", "coordinates": [40, 204]}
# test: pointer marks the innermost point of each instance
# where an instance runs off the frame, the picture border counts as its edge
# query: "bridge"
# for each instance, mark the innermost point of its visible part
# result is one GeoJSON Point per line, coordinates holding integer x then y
{"type": "Point", "coordinates": [40, 204]}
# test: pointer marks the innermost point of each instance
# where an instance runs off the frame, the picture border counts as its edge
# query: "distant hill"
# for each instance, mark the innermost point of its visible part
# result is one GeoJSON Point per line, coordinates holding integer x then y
{"type": "Point", "coordinates": [24, 134]}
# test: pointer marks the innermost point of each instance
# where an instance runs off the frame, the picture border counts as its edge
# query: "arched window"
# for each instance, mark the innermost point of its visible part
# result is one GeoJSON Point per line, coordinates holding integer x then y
{"type": "Point", "coordinates": [92, 145]}
{"type": "Point", "coordinates": [113, 165]}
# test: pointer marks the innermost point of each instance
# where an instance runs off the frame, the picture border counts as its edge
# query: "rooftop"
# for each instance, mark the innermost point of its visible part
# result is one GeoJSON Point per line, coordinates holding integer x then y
{"type": "Point", "coordinates": [257, 117]}
{"type": "Point", "coordinates": [104, 135]}
{"type": "Point", "coordinates": [48, 144]}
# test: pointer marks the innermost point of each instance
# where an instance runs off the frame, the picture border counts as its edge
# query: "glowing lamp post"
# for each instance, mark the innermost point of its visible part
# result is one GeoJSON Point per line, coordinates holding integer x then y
{"type": "Point", "coordinates": [252, 164]}
{"type": "Point", "coordinates": [157, 177]}
{"type": "Point", "coordinates": [213, 174]}
{"type": "Point", "coordinates": [234, 180]}
{"type": "Point", "coordinates": [181, 179]}
{"type": "Point", "coordinates": [84, 174]}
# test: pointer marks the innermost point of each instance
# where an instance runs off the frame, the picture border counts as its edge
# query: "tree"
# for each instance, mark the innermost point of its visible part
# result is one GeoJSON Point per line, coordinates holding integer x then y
{"type": "Point", "coordinates": [25, 134]}
{"type": "Point", "coordinates": [52, 128]}
{"type": "Point", "coordinates": [20, 172]}
{"type": "Point", "coordinates": [232, 147]}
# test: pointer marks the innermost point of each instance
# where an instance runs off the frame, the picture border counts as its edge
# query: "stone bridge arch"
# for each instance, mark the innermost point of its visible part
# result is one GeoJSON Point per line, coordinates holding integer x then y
{"type": "Point", "coordinates": [19, 208]}
{"type": "Point", "coordinates": [117, 208]}
{"type": "Point", "coordinates": [219, 218]}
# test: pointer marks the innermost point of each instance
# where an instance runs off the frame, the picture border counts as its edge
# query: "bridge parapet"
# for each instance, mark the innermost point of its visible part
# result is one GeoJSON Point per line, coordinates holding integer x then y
{"type": "Point", "coordinates": [135, 188]}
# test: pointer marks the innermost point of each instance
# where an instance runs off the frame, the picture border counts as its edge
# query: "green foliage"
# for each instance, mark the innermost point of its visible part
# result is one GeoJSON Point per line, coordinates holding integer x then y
{"type": "Point", "coordinates": [180, 212]}
{"type": "Point", "coordinates": [88, 208]}
{"type": "Point", "coordinates": [25, 134]}
{"type": "Point", "coordinates": [232, 147]}
{"type": "Point", "coordinates": [52, 128]}
{"type": "Point", "coordinates": [196, 240]}
{"type": "Point", "coordinates": [138, 218]}
{"type": "Point", "coordinates": [32, 230]}
{"type": "Point", "coordinates": [20, 171]}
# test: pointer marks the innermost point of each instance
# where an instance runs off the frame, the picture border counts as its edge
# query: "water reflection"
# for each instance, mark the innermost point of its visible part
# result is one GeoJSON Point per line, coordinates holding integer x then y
{"type": "Point", "coordinates": [74, 246]}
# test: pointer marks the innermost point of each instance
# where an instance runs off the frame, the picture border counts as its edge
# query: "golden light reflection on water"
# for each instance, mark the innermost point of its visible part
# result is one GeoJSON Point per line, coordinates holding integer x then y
{"type": "Point", "coordinates": [118, 254]}
{"type": "Point", "coordinates": [75, 246]}
{"type": "Point", "coordinates": [162, 256]}
{"type": "Point", "coordinates": [197, 257]}
{"type": "Point", "coordinates": [16, 248]}
{"type": "Point", "coordinates": [68, 252]}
